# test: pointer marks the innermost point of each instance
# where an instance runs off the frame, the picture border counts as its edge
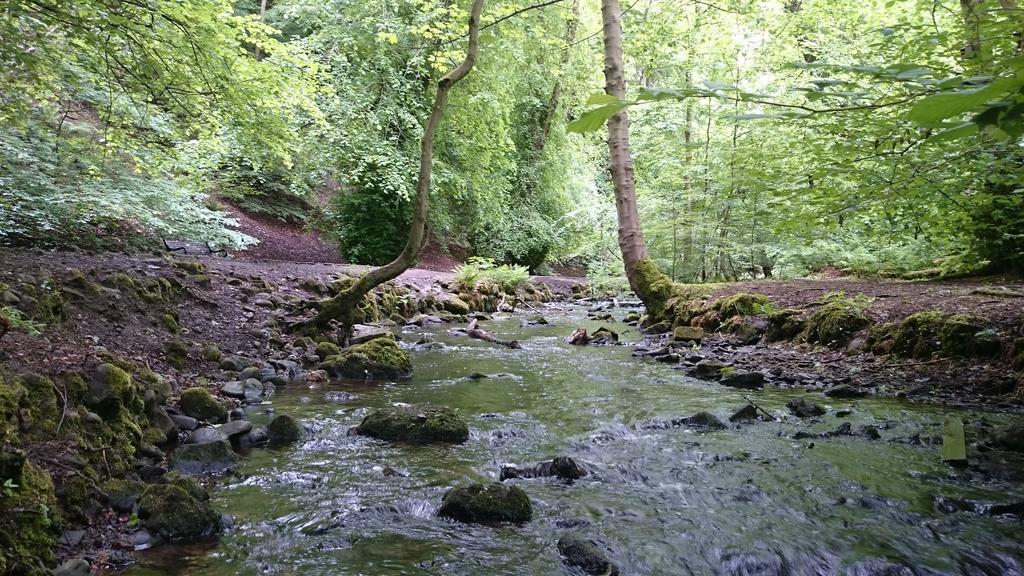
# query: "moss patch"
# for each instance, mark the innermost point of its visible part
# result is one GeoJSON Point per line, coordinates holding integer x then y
{"type": "Point", "coordinates": [170, 322]}
{"type": "Point", "coordinates": [190, 266]}
{"type": "Point", "coordinates": [935, 333]}
{"type": "Point", "coordinates": [200, 404]}
{"type": "Point", "coordinates": [836, 321]}
{"type": "Point", "coordinates": [784, 325]}
{"type": "Point", "coordinates": [284, 429]}
{"type": "Point", "coordinates": [378, 359]}
{"type": "Point", "coordinates": [174, 514]}
{"type": "Point", "coordinates": [28, 525]}
{"type": "Point", "coordinates": [176, 353]}
{"type": "Point", "coordinates": [212, 353]}
{"type": "Point", "coordinates": [415, 424]}
{"type": "Point", "coordinates": [493, 502]}
{"type": "Point", "coordinates": [740, 304]}
{"type": "Point", "coordinates": [325, 349]}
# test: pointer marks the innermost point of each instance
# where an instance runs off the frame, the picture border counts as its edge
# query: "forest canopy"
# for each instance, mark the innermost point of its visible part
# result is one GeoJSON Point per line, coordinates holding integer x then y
{"type": "Point", "coordinates": [769, 137]}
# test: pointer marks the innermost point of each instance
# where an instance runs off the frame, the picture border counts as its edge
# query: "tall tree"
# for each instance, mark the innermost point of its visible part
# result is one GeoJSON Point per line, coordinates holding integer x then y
{"type": "Point", "coordinates": [653, 287]}
{"type": "Point", "coordinates": [342, 307]}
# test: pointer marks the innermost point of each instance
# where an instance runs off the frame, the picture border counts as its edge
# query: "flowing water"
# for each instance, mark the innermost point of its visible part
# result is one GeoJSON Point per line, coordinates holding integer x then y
{"type": "Point", "coordinates": [745, 501]}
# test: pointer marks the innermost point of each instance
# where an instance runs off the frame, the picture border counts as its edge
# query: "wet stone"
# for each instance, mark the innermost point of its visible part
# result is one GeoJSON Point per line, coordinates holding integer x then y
{"type": "Point", "coordinates": [586, 555]}
{"type": "Point", "coordinates": [845, 391]}
{"type": "Point", "coordinates": [804, 408]}
{"type": "Point", "coordinates": [743, 379]}
{"type": "Point", "coordinates": [484, 503]}
{"type": "Point", "coordinates": [204, 434]}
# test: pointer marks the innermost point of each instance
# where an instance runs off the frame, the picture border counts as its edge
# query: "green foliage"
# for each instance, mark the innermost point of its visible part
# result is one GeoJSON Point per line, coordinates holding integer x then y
{"type": "Point", "coordinates": [508, 278]}
{"type": "Point", "coordinates": [12, 319]}
{"type": "Point", "coordinates": [371, 216]}
{"type": "Point", "coordinates": [8, 488]}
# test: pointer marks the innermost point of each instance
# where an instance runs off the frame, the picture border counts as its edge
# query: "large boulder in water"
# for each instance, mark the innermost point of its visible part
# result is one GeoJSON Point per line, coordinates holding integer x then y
{"type": "Point", "coordinates": [804, 408]}
{"type": "Point", "coordinates": [562, 467]}
{"type": "Point", "coordinates": [205, 458]}
{"type": "Point", "coordinates": [378, 359]}
{"type": "Point", "coordinates": [176, 515]}
{"type": "Point", "coordinates": [284, 429]}
{"type": "Point", "coordinates": [1009, 437]}
{"type": "Point", "coordinates": [481, 503]}
{"type": "Point", "coordinates": [582, 553]}
{"type": "Point", "coordinates": [415, 424]}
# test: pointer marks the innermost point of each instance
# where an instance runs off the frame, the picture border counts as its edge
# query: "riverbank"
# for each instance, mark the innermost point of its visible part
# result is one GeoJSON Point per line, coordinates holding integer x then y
{"type": "Point", "coordinates": [98, 397]}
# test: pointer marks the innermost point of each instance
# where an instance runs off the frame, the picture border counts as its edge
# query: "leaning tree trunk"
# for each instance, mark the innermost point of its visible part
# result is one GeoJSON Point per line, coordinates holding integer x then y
{"type": "Point", "coordinates": [342, 307]}
{"type": "Point", "coordinates": [653, 287]}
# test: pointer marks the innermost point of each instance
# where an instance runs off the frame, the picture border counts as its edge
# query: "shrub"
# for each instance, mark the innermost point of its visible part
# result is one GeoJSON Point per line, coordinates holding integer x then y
{"type": "Point", "coordinates": [370, 218]}
{"type": "Point", "coordinates": [507, 278]}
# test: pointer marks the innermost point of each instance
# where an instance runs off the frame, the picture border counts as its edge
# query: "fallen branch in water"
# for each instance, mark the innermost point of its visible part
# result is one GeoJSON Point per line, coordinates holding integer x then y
{"type": "Point", "coordinates": [473, 332]}
{"type": "Point", "coordinates": [766, 413]}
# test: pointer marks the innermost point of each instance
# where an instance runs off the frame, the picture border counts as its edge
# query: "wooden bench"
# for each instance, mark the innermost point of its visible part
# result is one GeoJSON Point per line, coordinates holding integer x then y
{"type": "Point", "coordinates": [187, 247]}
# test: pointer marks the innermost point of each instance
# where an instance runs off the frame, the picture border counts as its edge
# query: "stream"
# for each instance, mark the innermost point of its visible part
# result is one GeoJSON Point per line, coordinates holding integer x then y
{"type": "Point", "coordinates": [749, 500]}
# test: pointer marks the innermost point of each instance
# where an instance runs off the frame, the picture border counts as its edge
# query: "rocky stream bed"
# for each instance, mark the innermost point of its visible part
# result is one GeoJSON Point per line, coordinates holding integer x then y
{"type": "Point", "coordinates": [168, 416]}
{"type": "Point", "coordinates": [673, 484]}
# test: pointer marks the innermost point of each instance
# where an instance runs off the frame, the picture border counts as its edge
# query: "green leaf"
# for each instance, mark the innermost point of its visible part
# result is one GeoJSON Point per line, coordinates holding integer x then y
{"type": "Point", "coordinates": [601, 98]}
{"type": "Point", "coordinates": [941, 106]}
{"type": "Point", "coordinates": [961, 131]}
{"type": "Point", "coordinates": [593, 120]}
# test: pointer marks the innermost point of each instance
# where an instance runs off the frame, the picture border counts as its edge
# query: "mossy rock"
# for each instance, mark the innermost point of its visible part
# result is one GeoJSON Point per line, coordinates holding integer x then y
{"type": "Point", "coordinates": [203, 280]}
{"type": "Point", "coordinates": [934, 333]}
{"type": "Point", "coordinates": [122, 494]}
{"type": "Point", "coordinates": [121, 280]}
{"type": "Point", "coordinates": [176, 353]}
{"type": "Point", "coordinates": [111, 388]}
{"type": "Point", "coordinates": [746, 329]}
{"type": "Point", "coordinates": [206, 458]}
{"type": "Point", "coordinates": [484, 503]}
{"type": "Point", "coordinates": [201, 405]}
{"type": "Point", "coordinates": [687, 334]}
{"type": "Point", "coordinates": [175, 515]}
{"type": "Point", "coordinates": [10, 398]}
{"type": "Point", "coordinates": [190, 266]}
{"type": "Point", "coordinates": [740, 304]}
{"type": "Point", "coordinates": [835, 323]}
{"type": "Point", "coordinates": [212, 353]}
{"type": "Point", "coordinates": [378, 359]}
{"type": "Point", "coordinates": [78, 282]}
{"type": "Point", "coordinates": [45, 305]}
{"type": "Point", "coordinates": [455, 305]}
{"type": "Point", "coordinates": [326, 349]}
{"type": "Point", "coordinates": [187, 483]}
{"type": "Point", "coordinates": [29, 523]}
{"type": "Point", "coordinates": [39, 411]}
{"type": "Point", "coordinates": [160, 386]}
{"type": "Point", "coordinates": [170, 322]}
{"type": "Point", "coordinates": [784, 325]}
{"type": "Point", "coordinates": [284, 429]}
{"type": "Point", "coordinates": [415, 424]}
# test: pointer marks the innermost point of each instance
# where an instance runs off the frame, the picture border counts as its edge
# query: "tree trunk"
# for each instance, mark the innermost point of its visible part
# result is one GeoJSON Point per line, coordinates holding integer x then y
{"type": "Point", "coordinates": [571, 26]}
{"type": "Point", "coordinates": [649, 284]}
{"type": "Point", "coordinates": [263, 16]}
{"type": "Point", "coordinates": [342, 307]}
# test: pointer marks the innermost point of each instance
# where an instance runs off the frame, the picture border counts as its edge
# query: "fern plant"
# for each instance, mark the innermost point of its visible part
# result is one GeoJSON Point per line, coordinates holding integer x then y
{"type": "Point", "coordinates": [477, 269]}
{"type": "Point", "coordinates": [11, 319]}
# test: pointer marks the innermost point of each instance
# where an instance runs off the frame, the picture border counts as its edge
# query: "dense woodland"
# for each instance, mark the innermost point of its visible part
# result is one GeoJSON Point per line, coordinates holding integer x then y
{"type": "Point", "coordinates": [769, 138]}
